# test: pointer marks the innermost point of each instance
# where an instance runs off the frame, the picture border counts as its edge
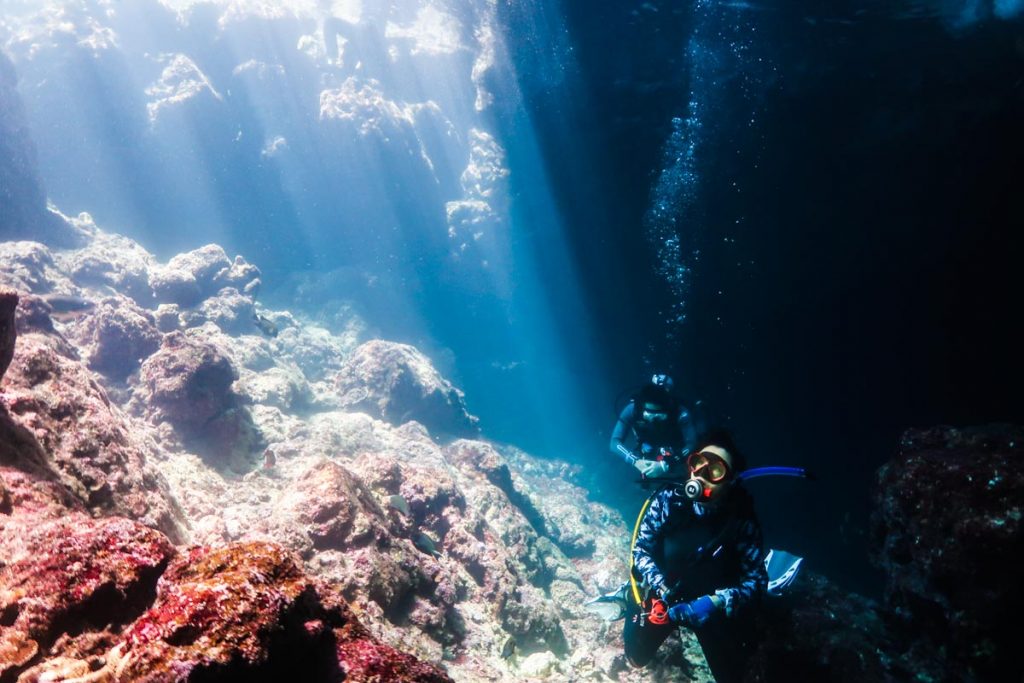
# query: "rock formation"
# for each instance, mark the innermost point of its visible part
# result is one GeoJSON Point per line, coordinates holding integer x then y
{"type": "Point", "coordinates": [948, 533]}
{"type": "Point", "coordinates": [397, 383]}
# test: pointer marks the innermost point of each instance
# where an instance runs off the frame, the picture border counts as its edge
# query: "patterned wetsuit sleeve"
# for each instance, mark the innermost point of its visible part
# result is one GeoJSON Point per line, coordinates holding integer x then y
{"type": "Point", "coordinates": [754, 577]}
{"type": "Point", "coordinates": [622, 427]}
{"type": "Point", "coordinates": [647, 537]}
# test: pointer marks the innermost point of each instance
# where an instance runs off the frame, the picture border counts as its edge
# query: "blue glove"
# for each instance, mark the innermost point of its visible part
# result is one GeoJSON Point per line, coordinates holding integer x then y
{"type": "Point", "coordinates": [694, 613]}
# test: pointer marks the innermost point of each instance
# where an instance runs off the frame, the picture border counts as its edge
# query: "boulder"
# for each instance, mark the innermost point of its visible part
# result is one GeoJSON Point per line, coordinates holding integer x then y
{"type": "Point", "coordinates": [335, 508]}
{"type": "Point", "coordinates": [70, 573]}
{"type": "Point", "coordinates": [174, 286]}
{"type": "Point", "coordinates": [116, 336]}
{"type": "Point", "coordinates": [29, 267]}
{"type": "Point", "coordinates": [187, 384]}
{"type": "Point", "coordinates": [248, 612]}
{"type": "Point", "coordinates": [110, 262]}
{"type": "Point", "coordinates": [193, 276]}
{"type": "Point", "coordinates": [947, 530]}
{"type": "Point", "coordinates": [57, 419]}
{"type": "Point", "coordinates": [397, 383]}
{"type": "Point", "coordinates": [231, 311]}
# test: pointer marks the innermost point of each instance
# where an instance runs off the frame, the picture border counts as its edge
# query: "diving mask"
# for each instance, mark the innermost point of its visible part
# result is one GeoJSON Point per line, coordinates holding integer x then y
{"type": "Point", "coordinates": [708, 465]}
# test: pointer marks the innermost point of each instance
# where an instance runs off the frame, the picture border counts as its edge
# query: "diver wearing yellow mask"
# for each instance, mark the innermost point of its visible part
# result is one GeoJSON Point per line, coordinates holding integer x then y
{"type": "Point", "coordinates": [698, 562]}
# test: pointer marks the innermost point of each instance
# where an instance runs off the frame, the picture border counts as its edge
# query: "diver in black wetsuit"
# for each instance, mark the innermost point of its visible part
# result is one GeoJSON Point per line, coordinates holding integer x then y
{"type": "Point", "coordinates": [698, 562]}
{"type": "Point", "coordinates": [662, 427]}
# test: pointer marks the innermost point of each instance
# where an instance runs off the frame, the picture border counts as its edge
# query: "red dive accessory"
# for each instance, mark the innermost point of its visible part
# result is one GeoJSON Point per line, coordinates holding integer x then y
{"type": "Point", "coordinates": [658, 613]}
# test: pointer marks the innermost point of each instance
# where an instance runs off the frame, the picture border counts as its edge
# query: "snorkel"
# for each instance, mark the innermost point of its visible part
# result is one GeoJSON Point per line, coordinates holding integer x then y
{"type": "Point", "coordinates": [776, 471]}
{"type": "Point", "coordinates": [709, 473]}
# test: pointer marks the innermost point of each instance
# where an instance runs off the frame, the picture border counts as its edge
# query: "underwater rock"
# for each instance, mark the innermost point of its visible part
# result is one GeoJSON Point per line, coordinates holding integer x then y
{"type": "Point", "coordinates": [62, 575]}
{"type": "Point", "coordinates": [110, 261]}
{"type": "Point", "coordinates": [60, 419]}
{"type": "Point", "coordinates": [948, 532]}
{"type": "Point", "coordinates": [335, 508]}
{"type": "Point", "coordinates": [29, 267]}
{"type": "Point", "coordinates": [240, 275]}
{"type": "Point", "coordinates": [398, 383]}
{"type": "Point", "coordinates": [817, 632]}
{"type": "Point", "coordinates": [167, 317]}
{"type": "Point", "coordinates": [281, 387]}
{"type": "Point", "coordinates": [187, 383]}
{"type": "Point", "coordinates": [230, 311]}
{"type": "Point", "coordinates": [194, 276]}
{"type": "Point", "coordinates": [22, 195]}
{"type": "Point", "coordinates": [317, 352]}
{"type": "Point", "coordinates": [174, 286]}
{"type": "Point", "coordinates": [116, 337]}
{"type": "Point", "coordinates": [8, 329]}
{"type": "Point", "coordinates": [244, 611]}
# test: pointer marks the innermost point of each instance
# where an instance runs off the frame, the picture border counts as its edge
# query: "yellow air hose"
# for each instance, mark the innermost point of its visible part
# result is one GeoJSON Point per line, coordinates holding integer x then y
{"type": "Point", "coordinates": [636, 532]}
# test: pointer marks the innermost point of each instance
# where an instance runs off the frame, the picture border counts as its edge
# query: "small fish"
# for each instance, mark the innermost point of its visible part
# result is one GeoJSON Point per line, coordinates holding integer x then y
{"type": "Point", "coordinates": [266, 326]}
{"type": "Point", "coordinates": [269, 459]}
{"type": "Point", "coordinates": [67, 303]}
{"type": "Point", "coordinates": [425, 544]}
{"type": "Point", "coordinates": [508, 648]}
{"type": "Point", "coordinates": [399, 503]}
{"type": "Point", "coordinates": [67, 307]}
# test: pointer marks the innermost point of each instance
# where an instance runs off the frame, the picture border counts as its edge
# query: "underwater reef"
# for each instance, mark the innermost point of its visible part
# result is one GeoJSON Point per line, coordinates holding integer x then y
{"type": "Point", "coordinates": [191, 492]}
{"type": "Point", "coordinates": [196, 487]}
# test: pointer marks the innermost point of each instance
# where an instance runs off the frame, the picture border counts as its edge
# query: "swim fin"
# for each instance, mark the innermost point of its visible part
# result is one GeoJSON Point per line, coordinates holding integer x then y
{"type": "Point", "coordinates": [782, 570]}
{"type": "Point", "coordinates": [610, 606]}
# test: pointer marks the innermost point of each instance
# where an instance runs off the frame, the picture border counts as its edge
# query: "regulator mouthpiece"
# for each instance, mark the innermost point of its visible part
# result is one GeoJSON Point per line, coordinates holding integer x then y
{"type": "Point", "coordinates": [693, 489]}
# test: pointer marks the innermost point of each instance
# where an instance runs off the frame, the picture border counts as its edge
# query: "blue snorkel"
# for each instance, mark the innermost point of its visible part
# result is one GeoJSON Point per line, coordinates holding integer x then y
{"type": "Point", "coordinates": [800, 472]}
{"type": "Point", "coordinates": [695, 489]}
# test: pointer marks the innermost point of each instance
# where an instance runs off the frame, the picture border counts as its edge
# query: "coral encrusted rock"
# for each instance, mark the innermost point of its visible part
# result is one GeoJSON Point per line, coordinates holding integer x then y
{"type": "Point", "coordinates": [196, 275]}
{"type": "Point", "coordinates": [335, 507]}
{"type": "Point", "coordinates": [397, 383]}
{"type": "Point", "coordinates": [56, 418]}
{"type": "Point", "coordinates": [64, 574]}
{"type": "Point", "coordinates": [116, 336]}
{"type": "Point", "coordinates": [948, 533]}
{"type": "Point", "coordinates": [187, 383]}
{"type": "Point", "coordinates": [8, 330]}
{"type": "Point", "coordinates": [248, 612]}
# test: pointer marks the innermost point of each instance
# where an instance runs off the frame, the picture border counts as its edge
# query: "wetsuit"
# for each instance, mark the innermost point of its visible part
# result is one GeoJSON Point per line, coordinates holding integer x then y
{"type": "Point", "coordinates": [678, 434]}
{"type": "Point", "coordinates": [685, 550]}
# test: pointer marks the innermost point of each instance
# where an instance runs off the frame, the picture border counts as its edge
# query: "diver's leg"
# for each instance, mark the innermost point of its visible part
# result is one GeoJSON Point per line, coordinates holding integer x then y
{"type": "Point", "coordinates": [641, 637]}
{"type": "Point", "coordinates": [727, 645]}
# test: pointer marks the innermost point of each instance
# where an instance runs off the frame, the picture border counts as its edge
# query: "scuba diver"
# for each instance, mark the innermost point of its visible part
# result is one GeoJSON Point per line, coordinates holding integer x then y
{"type": "Point", "coordinates": [662, 427]}
{"type": "Point", "coordinates": [698, 562]}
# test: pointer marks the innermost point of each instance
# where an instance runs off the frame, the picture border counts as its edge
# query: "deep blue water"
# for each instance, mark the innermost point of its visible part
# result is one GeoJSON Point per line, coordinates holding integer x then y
{"type": "Point", "coordinates": [809, 214]}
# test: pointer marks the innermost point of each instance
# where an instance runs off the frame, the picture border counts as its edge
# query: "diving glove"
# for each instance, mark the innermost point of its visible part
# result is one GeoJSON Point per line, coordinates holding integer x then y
{"type": "Point", "coordinates": [651, 468]}
{"type": "Point", "coordinates": [694, 613]}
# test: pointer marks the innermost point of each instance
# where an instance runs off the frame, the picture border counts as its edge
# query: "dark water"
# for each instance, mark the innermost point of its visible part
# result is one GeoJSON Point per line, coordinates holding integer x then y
{"type": "Point", "coordinates": [810, 214]}
{"type": "Point", "coordinates": [859, 242]}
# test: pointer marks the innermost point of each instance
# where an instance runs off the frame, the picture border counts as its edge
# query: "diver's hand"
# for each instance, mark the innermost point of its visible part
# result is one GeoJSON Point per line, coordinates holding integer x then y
{"type": "Point", "coordinates": [651, 468]}
{"type": "Point", "coordinates": [694, 613]}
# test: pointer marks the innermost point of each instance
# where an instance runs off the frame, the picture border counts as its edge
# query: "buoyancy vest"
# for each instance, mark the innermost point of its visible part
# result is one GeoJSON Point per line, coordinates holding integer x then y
{"type": "Point", "coordinates": [698, 555]}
